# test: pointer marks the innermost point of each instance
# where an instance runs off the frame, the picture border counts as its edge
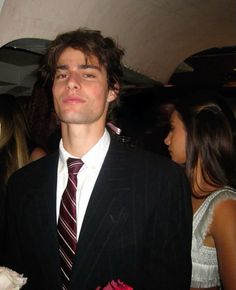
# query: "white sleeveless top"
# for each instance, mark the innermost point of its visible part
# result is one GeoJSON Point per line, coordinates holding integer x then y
{"type": "Point", "coordinates": [205, 273]}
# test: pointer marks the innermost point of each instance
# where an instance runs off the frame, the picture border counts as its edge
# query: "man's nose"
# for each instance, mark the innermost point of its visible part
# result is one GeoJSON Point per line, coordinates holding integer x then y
{"type": "Point", "coordinates": [73, 82]}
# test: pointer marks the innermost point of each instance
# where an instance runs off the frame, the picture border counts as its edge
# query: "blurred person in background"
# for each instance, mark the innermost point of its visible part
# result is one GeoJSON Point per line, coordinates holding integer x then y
{"type": "Point", "coordinates": [16, 146]}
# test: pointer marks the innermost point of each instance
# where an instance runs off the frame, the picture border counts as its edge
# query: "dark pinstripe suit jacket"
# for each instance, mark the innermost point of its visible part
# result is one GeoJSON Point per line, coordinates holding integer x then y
{"type": "Point", "coordinates": [137, 227]}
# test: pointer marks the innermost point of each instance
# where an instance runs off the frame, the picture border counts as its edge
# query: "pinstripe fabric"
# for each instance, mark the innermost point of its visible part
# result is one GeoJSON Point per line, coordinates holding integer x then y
{"type": "Point", "coordinates": [67, 227]}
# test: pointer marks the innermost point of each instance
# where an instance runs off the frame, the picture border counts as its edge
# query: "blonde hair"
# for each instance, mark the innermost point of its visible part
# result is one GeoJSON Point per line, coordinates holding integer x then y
{"type": "Point", "coordinates": [14, 152]}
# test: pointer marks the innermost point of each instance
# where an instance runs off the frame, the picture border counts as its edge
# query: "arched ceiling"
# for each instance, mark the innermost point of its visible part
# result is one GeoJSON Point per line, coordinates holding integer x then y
{"type": "Point", "coordinates": [157, 35]}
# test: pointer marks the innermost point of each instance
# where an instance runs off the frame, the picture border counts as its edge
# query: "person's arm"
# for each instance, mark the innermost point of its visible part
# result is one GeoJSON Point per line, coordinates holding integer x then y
{"type": "Point", "coordinates": [179, 236]}
{"type": "Point", "coordinates": [2, 221]}
{"type": "Point", "coordinates": [223, 230]}
{"type": "Point", "coordinates": [170, 235]}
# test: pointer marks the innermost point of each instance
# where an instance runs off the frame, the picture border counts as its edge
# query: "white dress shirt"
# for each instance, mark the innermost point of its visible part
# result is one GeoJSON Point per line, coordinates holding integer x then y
{"type": "Point", "coordinates": [86, 177]}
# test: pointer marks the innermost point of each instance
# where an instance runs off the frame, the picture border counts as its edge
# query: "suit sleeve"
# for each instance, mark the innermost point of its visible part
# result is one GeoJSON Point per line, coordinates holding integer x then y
{"type": "Point", "coordinates": [2, 222]}
{"type": "Point", "coordinates": [12, 256]}
{"type": "Point", "coordinates": [168, 246]}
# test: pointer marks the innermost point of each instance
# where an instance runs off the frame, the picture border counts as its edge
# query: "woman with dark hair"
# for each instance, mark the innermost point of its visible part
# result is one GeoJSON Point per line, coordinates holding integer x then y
{"type": "Point", "coordinates": [201, 139]}
{"type": "Point", "coordinates": [16, 146]}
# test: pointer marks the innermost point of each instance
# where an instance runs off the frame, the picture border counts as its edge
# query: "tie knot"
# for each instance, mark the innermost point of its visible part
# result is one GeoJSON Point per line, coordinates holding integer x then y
{"type": "Point", "coordinates": [74, 165]}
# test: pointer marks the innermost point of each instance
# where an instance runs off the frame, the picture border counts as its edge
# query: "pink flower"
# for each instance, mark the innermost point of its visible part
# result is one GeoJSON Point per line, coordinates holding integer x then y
{"type": "Point", "coordinates": [119, 285]}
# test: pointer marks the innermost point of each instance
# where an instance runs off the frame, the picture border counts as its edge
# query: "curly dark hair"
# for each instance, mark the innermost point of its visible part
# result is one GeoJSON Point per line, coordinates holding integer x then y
{"type": "Point", "coordinates": [91, 43]}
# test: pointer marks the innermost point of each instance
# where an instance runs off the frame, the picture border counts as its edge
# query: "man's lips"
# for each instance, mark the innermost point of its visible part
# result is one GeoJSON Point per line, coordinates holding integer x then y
{"type": "Point", "coordinates": [73, 100]}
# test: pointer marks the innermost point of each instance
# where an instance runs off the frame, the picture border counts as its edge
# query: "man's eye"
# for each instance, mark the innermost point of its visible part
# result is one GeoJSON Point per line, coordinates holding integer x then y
{"type": "Point", "coordinates": [88, 76]}
{"type": "Point", "coordinates": [60, 76]}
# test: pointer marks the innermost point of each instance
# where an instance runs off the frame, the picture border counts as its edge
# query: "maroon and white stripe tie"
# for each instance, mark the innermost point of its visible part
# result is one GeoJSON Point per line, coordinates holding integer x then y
{"type": "Point", "coordinates": [67, 225]}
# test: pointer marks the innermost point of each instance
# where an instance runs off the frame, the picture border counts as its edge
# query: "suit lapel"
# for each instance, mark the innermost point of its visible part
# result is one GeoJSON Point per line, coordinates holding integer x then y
{"type": "Point", "coordinates": [105, 212]}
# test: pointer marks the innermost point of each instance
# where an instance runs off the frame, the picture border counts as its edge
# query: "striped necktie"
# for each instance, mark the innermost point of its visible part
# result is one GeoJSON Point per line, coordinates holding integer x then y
{"type": "Point", "coordinates": [67, 225]}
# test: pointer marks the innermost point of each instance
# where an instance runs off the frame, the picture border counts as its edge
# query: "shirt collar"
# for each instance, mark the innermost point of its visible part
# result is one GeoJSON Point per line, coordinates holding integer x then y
{"type": "Point", "coordinates": [94, 157]}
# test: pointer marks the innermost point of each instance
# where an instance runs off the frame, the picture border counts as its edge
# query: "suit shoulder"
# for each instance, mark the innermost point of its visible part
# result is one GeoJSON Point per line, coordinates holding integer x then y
{"type": "Point", "coordinates": [152, 160]}
{"type": "Point", "coordinates": [140, 158]}
{"type": "Point", "coordinates": [35, 167]}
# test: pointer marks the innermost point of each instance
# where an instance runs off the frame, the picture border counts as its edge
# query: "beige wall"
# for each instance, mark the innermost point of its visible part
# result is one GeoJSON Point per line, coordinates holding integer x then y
{"type": "Point", "coordinates": [157, 34]}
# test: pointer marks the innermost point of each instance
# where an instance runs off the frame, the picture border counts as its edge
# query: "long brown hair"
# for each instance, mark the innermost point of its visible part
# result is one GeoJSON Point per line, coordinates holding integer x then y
{"type": "Point", "coordinates": [210, 127]}
{"type": "Point", "coordinates": [13, 137]}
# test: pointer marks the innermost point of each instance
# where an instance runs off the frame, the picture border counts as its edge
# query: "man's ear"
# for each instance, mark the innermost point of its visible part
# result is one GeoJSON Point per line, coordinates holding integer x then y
{"type": "Point", "coordinates": [113, 93]}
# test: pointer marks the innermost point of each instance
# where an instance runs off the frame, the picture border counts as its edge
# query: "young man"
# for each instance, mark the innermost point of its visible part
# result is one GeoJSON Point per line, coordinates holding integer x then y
{"type": "Point", "coordinates": [133, 212]}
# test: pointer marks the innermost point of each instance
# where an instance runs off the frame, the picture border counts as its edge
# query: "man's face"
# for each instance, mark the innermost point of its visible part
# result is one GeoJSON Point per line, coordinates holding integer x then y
{"type": "Point", "coordinates": [80, 89]}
